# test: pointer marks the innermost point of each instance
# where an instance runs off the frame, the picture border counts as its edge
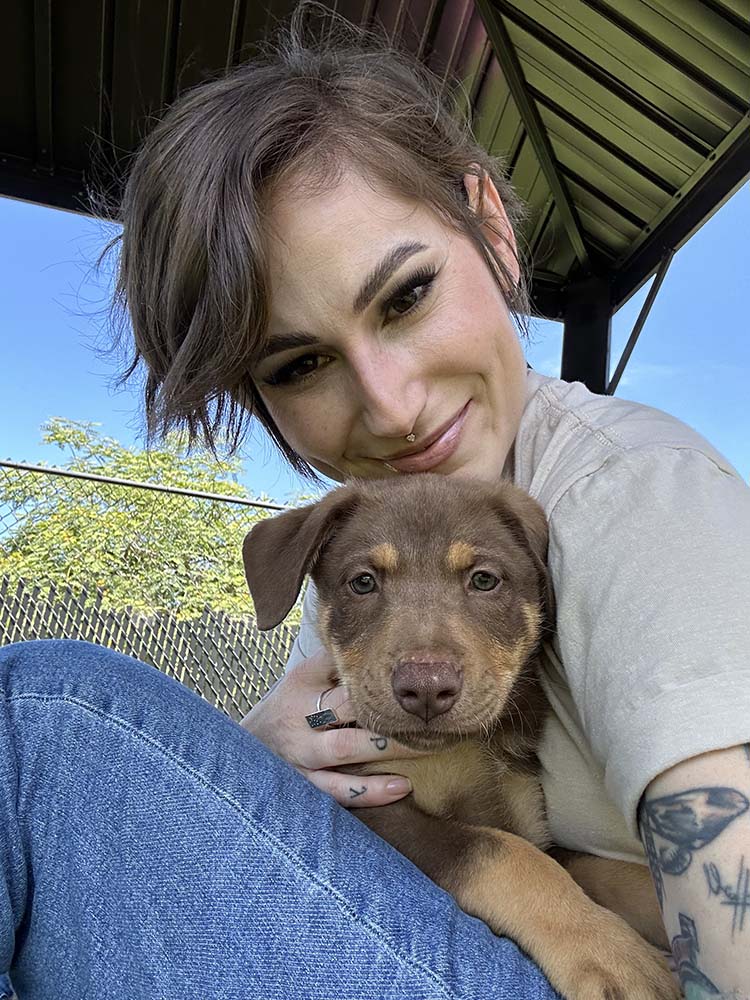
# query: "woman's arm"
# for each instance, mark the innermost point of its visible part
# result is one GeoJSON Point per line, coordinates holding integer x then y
{"type": "Point", "coordinates": [695, 825]}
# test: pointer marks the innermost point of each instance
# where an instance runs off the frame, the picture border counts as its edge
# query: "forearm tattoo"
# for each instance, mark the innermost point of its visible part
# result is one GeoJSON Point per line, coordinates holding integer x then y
{"type": "Point", "coordinates": [685, 949]}
{"type": "Point", "coordinates": [673, 827]}
{"type": "Point", "coordinates": [736, 897]}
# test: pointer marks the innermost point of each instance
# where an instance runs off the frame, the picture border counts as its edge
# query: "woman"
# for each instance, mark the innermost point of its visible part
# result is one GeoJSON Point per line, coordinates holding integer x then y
{"type": "Point", "coordinates": [314, 239]}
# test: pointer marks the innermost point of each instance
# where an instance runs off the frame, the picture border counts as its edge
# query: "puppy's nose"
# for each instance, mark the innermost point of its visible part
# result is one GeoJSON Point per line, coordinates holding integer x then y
{"type": "Point", "coordinates": [426, 688]}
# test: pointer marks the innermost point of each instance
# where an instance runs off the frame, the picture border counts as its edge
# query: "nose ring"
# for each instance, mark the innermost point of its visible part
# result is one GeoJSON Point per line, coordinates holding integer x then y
{"type": "Point", "coordinates": [411, 438]}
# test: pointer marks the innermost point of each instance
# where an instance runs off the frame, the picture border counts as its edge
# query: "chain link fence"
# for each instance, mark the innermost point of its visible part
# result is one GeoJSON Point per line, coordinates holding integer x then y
{"type": "Point", "coordinates": [152, 571]}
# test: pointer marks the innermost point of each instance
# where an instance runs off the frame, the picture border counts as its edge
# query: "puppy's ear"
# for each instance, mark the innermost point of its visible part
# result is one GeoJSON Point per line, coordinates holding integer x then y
{"type": "Point", "coordinates": [277, 553]}
{"type": "Point", "coordinates": [527, 522]}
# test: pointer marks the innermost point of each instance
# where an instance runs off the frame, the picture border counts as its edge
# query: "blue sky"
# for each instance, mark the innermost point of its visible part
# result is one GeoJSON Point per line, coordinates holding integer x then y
{"type": "Point", "coordinates": [692, 359]}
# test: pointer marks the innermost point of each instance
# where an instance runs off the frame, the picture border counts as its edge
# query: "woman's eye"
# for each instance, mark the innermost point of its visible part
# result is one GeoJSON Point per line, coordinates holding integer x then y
{"type": "Point", "coordinates": [297, 370]}
{"type": "Point", "coordinates": [484, 581]}
{"type": "Point", "coordinates": [363, 584]}
{"type": "Point", "coordinates": [409, 296]}
{"type": "Point", "coordinates": [406, 302]}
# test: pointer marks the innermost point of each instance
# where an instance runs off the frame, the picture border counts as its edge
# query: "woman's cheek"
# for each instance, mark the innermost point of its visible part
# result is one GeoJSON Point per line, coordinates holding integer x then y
{"type": "Point", "coordinates": [315, 428]}
{"type": "Point", "coordinates": [285, 413]}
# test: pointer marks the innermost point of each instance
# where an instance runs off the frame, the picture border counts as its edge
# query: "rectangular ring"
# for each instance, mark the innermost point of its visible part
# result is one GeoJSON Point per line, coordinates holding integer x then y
{"type": "Point", "coordinates": [319, 719]}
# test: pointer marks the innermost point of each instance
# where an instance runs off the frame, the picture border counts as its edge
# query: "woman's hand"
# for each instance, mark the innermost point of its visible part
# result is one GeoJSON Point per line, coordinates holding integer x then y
{"type": "Point", "coordinates": [278, 720]}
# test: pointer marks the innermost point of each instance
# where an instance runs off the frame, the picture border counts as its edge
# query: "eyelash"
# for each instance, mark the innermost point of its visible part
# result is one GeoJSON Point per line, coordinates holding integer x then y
{"type": "Point", "coordinates": [422, 278]}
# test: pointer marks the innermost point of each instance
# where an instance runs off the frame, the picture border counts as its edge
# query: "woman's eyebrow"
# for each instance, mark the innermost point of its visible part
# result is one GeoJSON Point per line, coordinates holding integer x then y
{"type": "Point", "coordinates": [370, 288]}
{"type": "Point", "coordinates": [382, 272]}
{"type": "Point", "coordinates": [285, 342]}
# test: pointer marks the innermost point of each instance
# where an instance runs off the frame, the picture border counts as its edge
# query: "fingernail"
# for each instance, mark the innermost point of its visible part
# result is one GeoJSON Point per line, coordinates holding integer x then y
{"type": "Point", "coordinates": [399, 786]}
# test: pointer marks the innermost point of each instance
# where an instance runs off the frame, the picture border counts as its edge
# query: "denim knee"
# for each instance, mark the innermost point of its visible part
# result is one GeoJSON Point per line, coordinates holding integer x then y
{"type": "Point", "coordinates": [54, 664]}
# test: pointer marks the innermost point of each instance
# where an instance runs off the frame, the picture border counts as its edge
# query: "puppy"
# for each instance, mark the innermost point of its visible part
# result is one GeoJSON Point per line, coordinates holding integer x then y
{"type": "Point", "coordinates": [433, 599]}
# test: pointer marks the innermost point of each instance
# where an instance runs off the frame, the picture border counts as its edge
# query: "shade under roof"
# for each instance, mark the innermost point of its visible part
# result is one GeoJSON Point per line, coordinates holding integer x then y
{"type": "Point", "coordinates": [625, 124]}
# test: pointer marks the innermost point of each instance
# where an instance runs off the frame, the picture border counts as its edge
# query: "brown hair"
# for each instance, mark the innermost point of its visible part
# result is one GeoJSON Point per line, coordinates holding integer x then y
{"type": "Point", "coordinates": [192, 270]}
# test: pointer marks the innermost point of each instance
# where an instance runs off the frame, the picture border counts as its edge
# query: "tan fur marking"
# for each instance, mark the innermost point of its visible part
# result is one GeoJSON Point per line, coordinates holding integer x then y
{"type": "Point", "coordinates": [533, 617]}
{"type": "Point", "coordinates": [460, 556]}
{"type": "Point", "coordinates": [385, 557]}
{"type": "Point", "coordinates": [522, 649]}
{"type": "Point", "coordinates": [324, 618]}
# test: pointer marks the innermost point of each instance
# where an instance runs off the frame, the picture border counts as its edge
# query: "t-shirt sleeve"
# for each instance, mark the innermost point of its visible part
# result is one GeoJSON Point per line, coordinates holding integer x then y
{"type": "Point", "coordinates": [308, 639]}
{"type": "Point", "coordinates": [650, 559]}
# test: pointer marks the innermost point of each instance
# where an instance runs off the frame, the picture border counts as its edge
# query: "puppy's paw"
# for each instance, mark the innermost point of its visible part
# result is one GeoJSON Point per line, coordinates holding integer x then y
{"type": "Point", "coordinates": [609, 961]}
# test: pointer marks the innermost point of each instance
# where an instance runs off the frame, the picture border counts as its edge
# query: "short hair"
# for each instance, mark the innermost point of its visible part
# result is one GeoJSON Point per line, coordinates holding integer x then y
{"type": "Point", "coordinates": [193, 265]}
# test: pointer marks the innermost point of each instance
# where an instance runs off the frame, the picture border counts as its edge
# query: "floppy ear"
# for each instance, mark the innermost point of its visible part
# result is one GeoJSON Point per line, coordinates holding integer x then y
{"type": "Point", "coordinates": [280, 551]}
{"type": "Point", "coordinates": [527, 522]}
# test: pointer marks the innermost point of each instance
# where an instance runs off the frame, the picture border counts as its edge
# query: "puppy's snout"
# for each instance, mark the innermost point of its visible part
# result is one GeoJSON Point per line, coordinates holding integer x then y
{"type": "Point", "coordinates": [426, 688]}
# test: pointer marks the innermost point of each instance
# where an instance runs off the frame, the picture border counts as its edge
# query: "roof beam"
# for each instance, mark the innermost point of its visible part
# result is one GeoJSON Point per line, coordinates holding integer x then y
{"type": "Point", "coordinates": [430, 27]}
{"type": "Point", "coordinates": [547, 296]}
{"type": "Point", "coordinates": [106, 64]}
{"type": "Point", "coordinates": [61, 189]}
{"type": "Point", "coordinates": [723, 172]}
{"type": "Point", "coordinates": [43, 83]}
{"type": "Point", "coordinates": [511, 68]}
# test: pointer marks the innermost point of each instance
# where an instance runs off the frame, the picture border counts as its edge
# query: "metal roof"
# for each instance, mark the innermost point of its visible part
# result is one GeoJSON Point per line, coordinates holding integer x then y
{"type": "Point", "coordinates": [625, 124]}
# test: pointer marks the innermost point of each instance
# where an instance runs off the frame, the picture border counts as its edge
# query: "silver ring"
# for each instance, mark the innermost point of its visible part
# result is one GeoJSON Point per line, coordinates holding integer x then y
{"type": "Point", "coordinates": [322, 695]}
{"type": "Point", "coordinates": [322, 717]}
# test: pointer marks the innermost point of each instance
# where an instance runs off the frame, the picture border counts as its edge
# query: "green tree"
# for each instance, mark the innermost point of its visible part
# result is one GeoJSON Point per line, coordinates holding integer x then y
{"type": "Point", "coordinates": [143, 549]}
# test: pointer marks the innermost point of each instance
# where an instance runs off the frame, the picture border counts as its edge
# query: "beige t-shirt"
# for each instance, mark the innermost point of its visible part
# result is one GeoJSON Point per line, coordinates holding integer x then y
{"type": "Point", "coordinates": [650, 559]}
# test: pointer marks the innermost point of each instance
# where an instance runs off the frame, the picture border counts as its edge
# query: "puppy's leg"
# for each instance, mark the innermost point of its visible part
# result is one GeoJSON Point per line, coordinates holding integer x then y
{"type": "Point", "coordinates": [623, 887]}
{"type": "Point", "coordinates": [586, 952]}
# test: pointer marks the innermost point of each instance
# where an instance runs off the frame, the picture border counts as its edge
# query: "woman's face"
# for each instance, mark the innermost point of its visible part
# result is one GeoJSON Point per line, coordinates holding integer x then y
{"type": "Point", "coordinates": [384, 322]}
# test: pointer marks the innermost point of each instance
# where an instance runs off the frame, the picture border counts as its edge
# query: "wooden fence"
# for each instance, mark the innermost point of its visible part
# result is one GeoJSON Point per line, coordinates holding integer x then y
{"type": "Point", "coordinates": [223, 658]}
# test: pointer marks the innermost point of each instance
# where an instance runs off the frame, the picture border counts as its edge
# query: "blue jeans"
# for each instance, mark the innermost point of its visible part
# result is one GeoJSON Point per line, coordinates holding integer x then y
{"type": "Point", "coordinates": [151, 849]}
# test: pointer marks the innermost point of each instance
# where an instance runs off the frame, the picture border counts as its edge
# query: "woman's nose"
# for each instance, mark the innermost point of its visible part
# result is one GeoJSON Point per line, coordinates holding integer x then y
{"type": "Point", "coordinates": [390, 396]}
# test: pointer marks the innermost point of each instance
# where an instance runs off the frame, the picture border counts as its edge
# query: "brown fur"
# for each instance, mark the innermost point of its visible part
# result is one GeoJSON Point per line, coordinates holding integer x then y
{"type": "Point", "coordinates": [622, 887]}
{"type": "Point", "coordinates": [438, 661]}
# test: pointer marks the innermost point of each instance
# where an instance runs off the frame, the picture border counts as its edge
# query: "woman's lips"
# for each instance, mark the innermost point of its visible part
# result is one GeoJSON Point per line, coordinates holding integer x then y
{"type": "Point", "coordinates": [439, 451]}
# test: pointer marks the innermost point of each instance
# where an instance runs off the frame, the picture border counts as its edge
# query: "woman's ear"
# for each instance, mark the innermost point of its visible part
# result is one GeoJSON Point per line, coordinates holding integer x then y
{"type": "Point", "coordinates": [495, 222]}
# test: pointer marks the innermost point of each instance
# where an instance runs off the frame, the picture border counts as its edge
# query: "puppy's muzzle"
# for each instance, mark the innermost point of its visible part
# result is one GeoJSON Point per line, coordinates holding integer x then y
{"type": "Point", "coordinates": [426, 688]}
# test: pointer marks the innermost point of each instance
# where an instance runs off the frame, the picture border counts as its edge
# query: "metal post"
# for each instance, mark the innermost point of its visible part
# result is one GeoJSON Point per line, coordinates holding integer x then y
{"type": "Point", "coordinates": [639, 323]}
{"type": "Point", "coordinates": [588, 320]}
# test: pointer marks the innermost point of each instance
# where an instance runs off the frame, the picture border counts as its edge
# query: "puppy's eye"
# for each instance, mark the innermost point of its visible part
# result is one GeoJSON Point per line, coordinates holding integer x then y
{"type": "Point", "coordinates": [363, 584]}
{"type": "Point", "coordinates": [484, 581]}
